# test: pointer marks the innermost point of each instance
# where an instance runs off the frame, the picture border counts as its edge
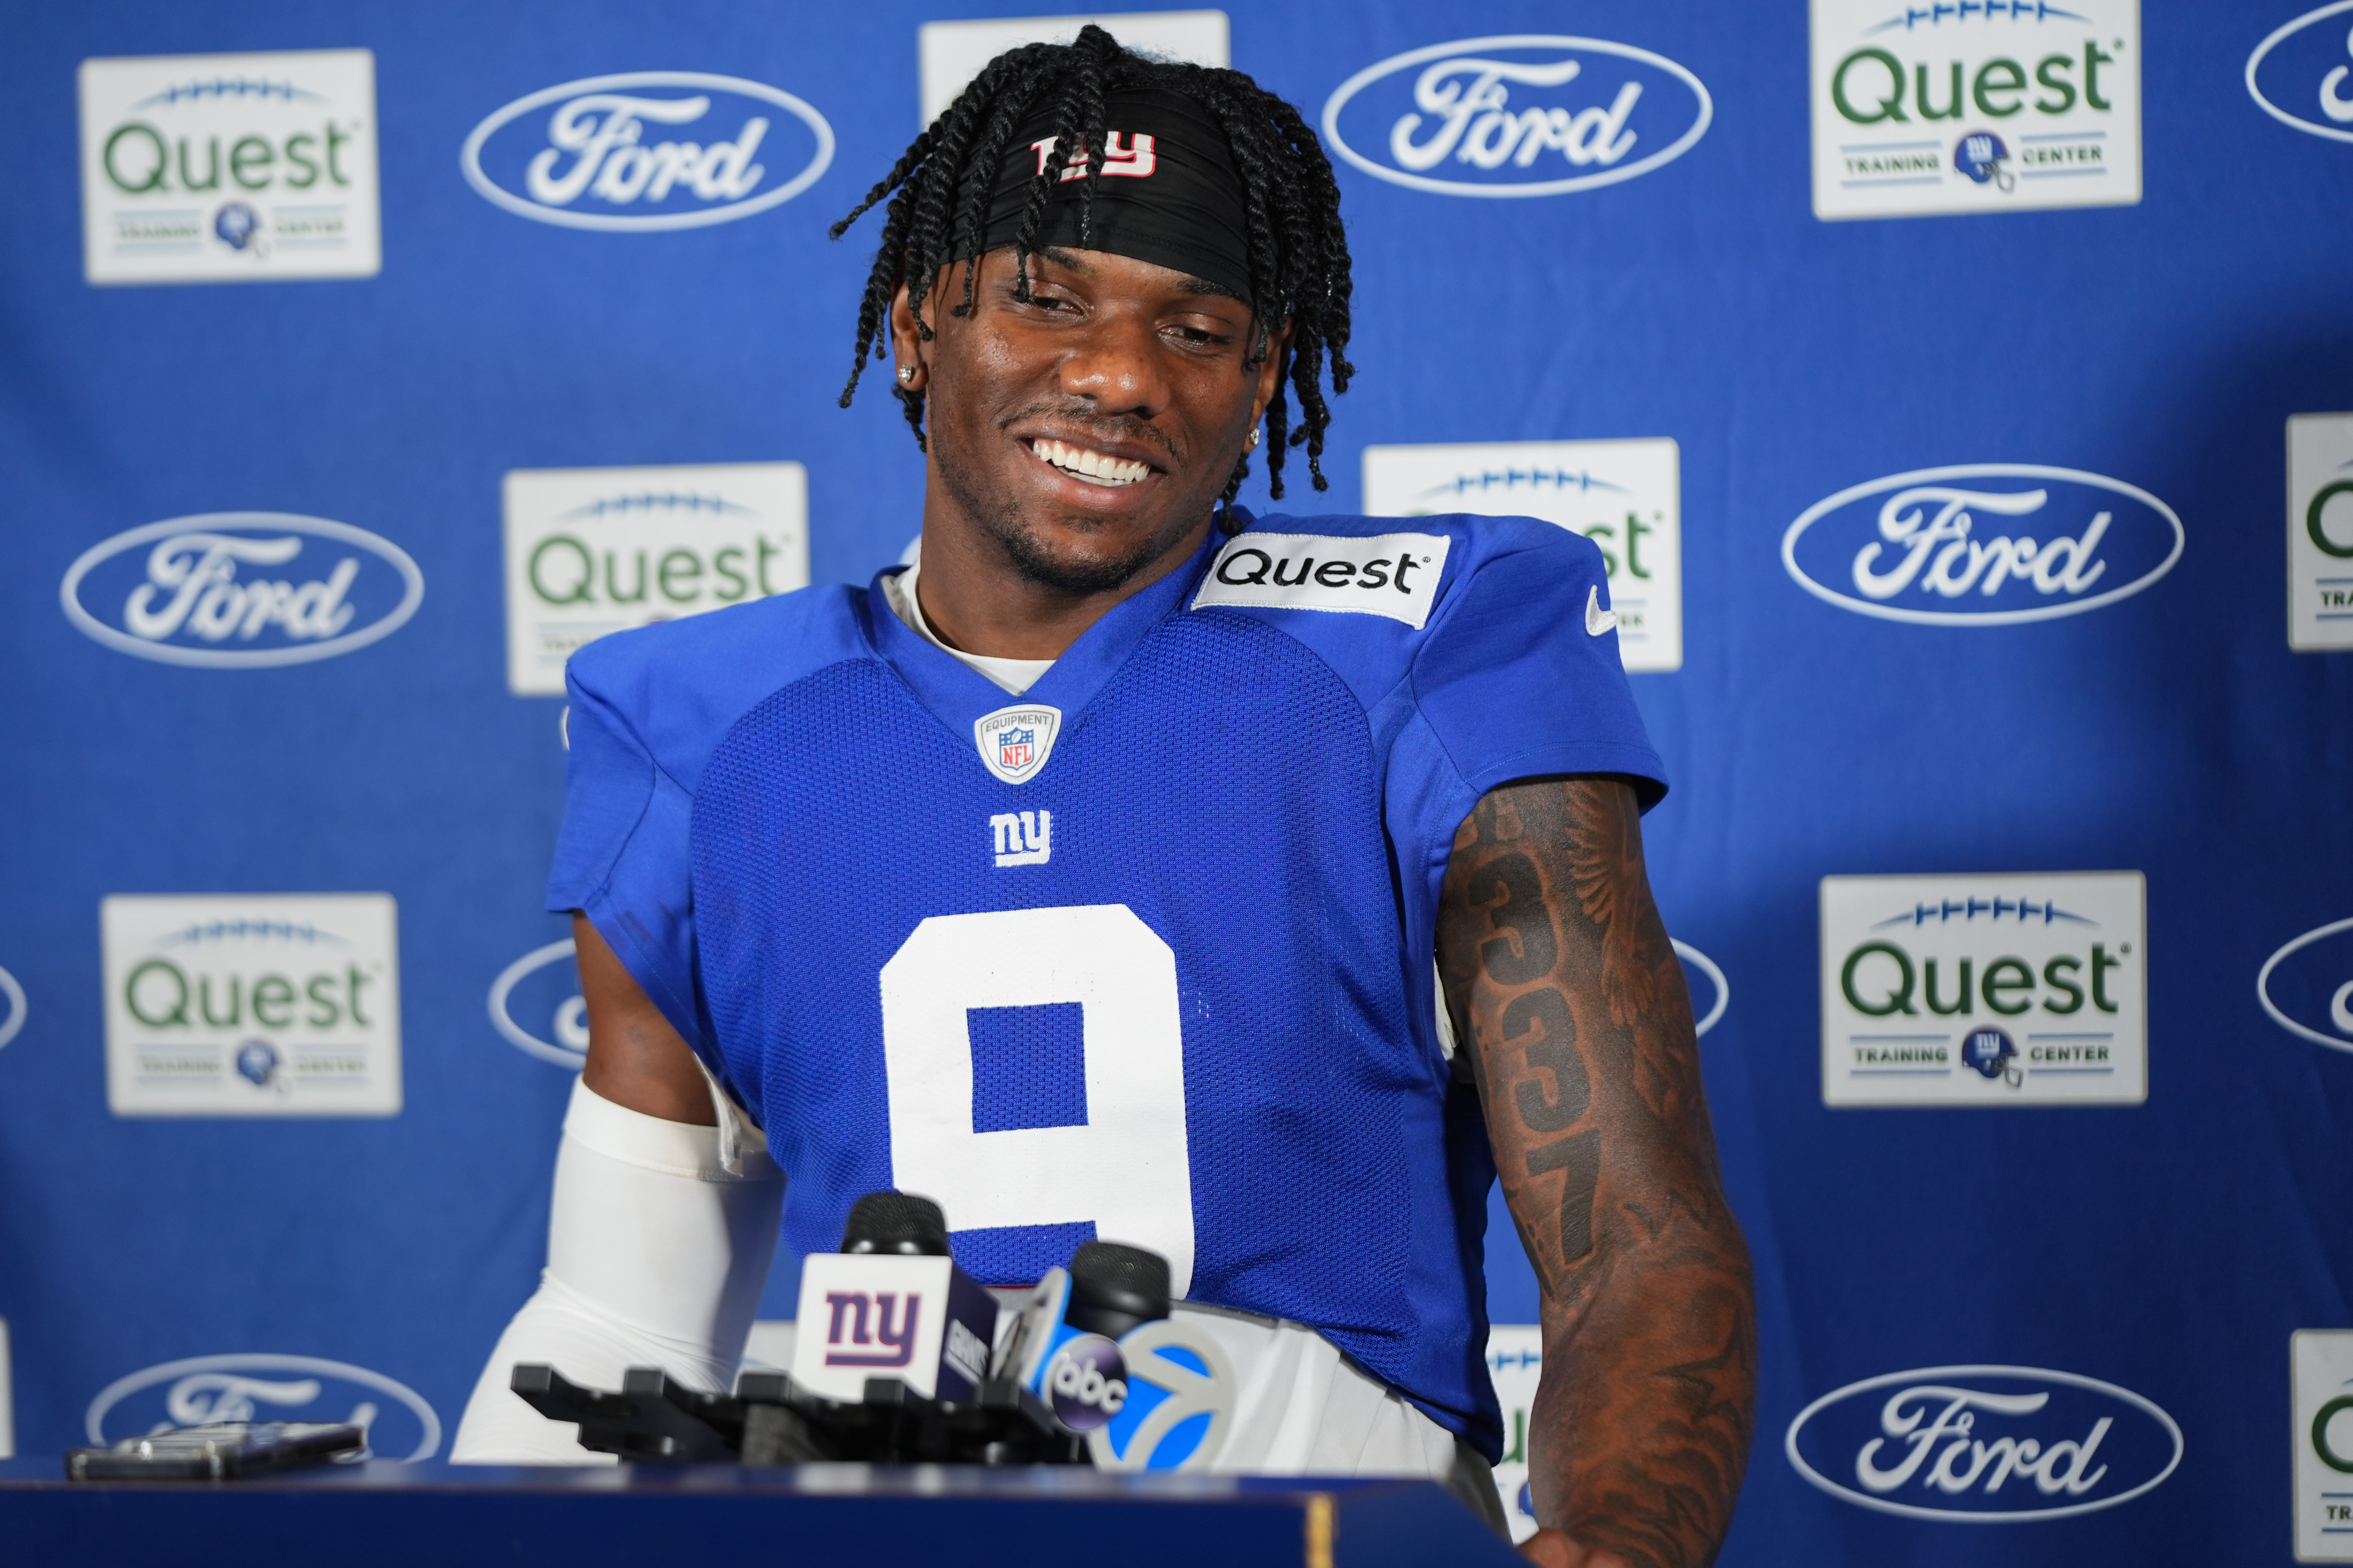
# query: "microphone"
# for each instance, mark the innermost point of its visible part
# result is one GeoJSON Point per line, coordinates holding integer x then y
{"type": "Point", "coordinates": [1095, 1342]}
{"type": "Point", "coordinates": [891, 1304]}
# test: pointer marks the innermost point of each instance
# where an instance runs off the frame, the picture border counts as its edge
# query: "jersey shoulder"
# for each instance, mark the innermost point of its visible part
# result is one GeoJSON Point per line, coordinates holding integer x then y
{"type": "Point", "coordinates": [678, 687]}
{"type": "Point", "coordinates": [1370, 594]}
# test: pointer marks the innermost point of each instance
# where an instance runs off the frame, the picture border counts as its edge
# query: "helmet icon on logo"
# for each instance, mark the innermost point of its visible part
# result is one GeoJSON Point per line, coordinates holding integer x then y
{"type": "Point", "coordinates": [1992, 1053]}
{"type": "Point", "coordinates": [1982, 157]}
{"type": "Point", "coordinates": [236, 224]}
{"type": "Point", "coordinates": [256, 1063]}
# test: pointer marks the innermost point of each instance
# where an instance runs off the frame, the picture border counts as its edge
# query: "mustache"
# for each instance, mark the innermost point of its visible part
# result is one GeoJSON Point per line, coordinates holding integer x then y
{"type": "Point", "coordinates": [1080, 415]}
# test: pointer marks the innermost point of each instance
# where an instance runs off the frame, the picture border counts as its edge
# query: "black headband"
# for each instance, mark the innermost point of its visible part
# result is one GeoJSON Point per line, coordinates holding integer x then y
{"type": "Point", "coordinates": [1168, 191]}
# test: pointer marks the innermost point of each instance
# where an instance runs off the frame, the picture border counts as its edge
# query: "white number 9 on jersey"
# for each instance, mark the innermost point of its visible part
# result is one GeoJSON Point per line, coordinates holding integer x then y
{"type": "Point", "coordinates": [1127, 1169]}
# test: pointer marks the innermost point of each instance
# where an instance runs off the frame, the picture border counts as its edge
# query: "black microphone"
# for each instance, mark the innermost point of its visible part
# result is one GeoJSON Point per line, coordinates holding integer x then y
{"type": "Point", "coordinates": [898, 1221]}
{"type": "Point", "coordinates": [1114, 1288]}
{"type": "Point", "coordinates": [891, 1304]}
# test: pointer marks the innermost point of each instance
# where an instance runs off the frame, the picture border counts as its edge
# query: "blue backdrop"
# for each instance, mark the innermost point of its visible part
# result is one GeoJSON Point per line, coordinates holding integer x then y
{"type": "Point", "coordinates": [2167, 1247]}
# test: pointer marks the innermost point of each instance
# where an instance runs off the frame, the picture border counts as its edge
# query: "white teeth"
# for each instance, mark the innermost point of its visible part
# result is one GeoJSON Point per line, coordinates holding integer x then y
{"type": "Point", "coordinates": [1096, 468]}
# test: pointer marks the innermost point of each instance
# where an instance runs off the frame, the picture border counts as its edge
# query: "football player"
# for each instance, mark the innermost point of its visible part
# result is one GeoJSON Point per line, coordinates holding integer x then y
{"type": "Point", "coordinates": [1254, 890]}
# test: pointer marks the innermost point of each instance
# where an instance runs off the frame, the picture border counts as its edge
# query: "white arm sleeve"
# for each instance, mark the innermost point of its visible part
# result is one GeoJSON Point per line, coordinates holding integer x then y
{"type": "Point", "coordinates": [658, 1245]}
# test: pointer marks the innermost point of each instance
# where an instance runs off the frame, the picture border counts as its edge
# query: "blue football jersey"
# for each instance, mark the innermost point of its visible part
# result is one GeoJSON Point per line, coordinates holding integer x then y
{"type": "Point", "coordinates": [1146, 952]}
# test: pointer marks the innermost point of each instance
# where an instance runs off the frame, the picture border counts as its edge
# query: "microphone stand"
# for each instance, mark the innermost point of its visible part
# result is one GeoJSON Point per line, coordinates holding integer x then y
{"type": "Point", "coordinates": [768, 1421]}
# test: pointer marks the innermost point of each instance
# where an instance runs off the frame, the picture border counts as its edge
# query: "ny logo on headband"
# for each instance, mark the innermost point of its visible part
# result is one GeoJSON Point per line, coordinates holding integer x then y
{"type": "Point", "coordinates": [1134, 160]}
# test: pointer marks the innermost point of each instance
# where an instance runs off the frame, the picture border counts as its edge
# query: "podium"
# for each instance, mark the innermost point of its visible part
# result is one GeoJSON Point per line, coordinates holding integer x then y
{"type": "Point", "coordinates": [720, 1516]}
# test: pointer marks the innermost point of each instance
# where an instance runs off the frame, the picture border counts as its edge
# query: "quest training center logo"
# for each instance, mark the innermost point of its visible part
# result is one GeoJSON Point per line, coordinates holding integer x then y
{"type": "Point", "coordinates": [543, 984]}
{"type": "Point", "coordinates": [2320, 532]}
{"type": "Point", "coordinates": [1924, 547]}
{"type": "Point", "coordinates": [648, 150]}
{"type": "Point", "coordinates": [1987, 990]}
{"type": "Point", "coordinates": [1516, 1363]}
{"type": "Point", "coordinates": [1974, 106]}
{"type": "Point", "coordinates": [2320, 1443]}
{"type": "Point", "coordinates": [252, 1005]}
{"type": "Point", "coordinates": [1984, 1444]}
{"type": "Point", "coordinates": [213, 168]}
{"type": "Point", "coordinates": [196, 590]}
{"type": "Point", "coordinates": [948, 55]}
{"type": "Point", "coordinates": [1528, 114]}
{"type": "Point", "coordinates": [2302, 73]}
{"type": "Point", "coordinates": [2307, 986]}
{"type": "Point", "coordinates": [592, 551]}
{"type": "Point", "coordinates": [1625, 496]}
{"type": "Point", "coordinates": [207, 1388]}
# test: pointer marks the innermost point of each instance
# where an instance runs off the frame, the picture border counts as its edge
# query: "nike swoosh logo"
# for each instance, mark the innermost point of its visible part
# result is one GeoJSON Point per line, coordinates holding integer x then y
{"type": "Point", "coordinates": [1598, 620]}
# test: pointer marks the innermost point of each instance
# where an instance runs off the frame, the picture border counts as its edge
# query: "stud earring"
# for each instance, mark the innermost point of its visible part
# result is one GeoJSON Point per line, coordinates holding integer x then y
{"type": "Point", "coordinates": [1250, 443]}
{"type": "Point", "coordinates": [906, 373]}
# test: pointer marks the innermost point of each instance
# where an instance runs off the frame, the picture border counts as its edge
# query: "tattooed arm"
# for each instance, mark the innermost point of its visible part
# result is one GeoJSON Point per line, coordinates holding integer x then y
{"type": "Point", "coordinates": [1570, 999]}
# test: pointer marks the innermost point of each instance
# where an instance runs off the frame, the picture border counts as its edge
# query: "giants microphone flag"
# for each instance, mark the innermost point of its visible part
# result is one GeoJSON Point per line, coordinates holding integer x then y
{"type": "Point", "coordinates": [891, 1304]}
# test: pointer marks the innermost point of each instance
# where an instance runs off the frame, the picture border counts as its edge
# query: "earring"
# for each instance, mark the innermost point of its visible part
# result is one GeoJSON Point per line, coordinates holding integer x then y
{"type": "Point", "coordinates": [906, 373]}
{"type": "Point", "coordinates": [1250, 444]}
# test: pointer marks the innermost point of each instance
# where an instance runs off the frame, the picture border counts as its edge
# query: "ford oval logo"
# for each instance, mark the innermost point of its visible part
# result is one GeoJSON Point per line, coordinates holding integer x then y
{"type": "Point", "coordinates": [399, 1423]}
{"type": "Point", "coordinates": [1528, 114]}
{"type": "Point", "coordinates": [2308, 985]}
{"type": "Point", "coordinates": [1984, 545]}
{"type": "Point", "coordinates": [1719, 993]}
{"type": "Point", "coordinates": [13, 994]}
{"type": "Point", "coordinates": [1984, 1444]}
{"type": "Point", "coordinates": [2302, 75]}
{"type": "Point", "coordinates": [542, 984]}
{"type": "Point", "coordinates": [232, 590]}
{"type": "Point", "coordinates": [648, 150]}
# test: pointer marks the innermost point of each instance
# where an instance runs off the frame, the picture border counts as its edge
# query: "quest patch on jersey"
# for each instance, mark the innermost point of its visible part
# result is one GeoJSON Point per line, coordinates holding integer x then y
{"type": "Point", "coordinates": [1392, 574]}
{"type": "Point", "coordinates": [1016, 741]}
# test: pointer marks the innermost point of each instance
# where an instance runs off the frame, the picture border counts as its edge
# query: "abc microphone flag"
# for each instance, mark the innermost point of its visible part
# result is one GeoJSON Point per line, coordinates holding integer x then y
{"type": "Point", "coordinates": [1096, 1342]}
{"type": "Point", "coordinates": [891, 1304]}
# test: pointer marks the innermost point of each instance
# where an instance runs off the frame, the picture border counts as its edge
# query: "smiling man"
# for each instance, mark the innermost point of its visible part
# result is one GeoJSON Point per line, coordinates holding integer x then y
{"type": "Point", "coordinates": [1132, 867]}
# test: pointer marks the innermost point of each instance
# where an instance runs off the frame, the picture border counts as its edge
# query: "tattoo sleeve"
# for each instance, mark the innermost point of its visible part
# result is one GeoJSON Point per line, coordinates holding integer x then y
{"type": "Point", "coordinates": [1567, 994]}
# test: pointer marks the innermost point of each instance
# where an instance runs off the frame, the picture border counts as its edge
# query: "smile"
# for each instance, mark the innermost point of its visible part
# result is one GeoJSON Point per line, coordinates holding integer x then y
{"type": "Point", "coordinates": [1094, 467]}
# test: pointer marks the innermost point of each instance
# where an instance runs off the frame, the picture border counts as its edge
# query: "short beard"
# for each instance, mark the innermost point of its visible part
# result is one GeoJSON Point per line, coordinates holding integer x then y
{"type": "Point", "coordinates": [1078, 579]}
{"type": "Point", "coordinates": [1028, 556]}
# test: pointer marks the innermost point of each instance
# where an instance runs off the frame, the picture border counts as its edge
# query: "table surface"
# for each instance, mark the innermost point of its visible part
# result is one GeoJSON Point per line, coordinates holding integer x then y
{"type": "Point", "coordinates": [454, 1516]}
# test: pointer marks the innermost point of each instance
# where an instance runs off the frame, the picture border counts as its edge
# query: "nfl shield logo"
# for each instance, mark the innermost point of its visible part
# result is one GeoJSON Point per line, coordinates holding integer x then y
{"type": "Point", "coordinates": [1014, 743]}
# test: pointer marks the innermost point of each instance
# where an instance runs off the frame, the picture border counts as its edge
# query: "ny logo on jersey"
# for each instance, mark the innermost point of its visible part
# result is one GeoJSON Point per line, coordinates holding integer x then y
{"type": "Point", "coordinates": [1023, 838]}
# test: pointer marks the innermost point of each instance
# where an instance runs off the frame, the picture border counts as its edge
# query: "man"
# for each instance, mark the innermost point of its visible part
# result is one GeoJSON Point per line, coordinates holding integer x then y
{"type": "Point", "coordinates": [1088, 875]}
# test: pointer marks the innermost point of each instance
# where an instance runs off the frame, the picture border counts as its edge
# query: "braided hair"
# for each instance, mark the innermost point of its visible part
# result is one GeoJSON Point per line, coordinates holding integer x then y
{"type": "Point", "coordinates": [941, 187]}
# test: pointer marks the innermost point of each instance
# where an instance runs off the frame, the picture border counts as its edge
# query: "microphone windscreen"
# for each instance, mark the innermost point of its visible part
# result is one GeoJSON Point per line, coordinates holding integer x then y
{"type": "Point", "coordinates": [897, 1222]}
{"type": "Point", "coordinates": [1115, 1287]}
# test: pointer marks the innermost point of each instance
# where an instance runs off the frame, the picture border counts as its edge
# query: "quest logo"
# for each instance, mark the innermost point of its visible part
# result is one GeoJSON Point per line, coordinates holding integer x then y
{"type": "Point", "coordinates": [593, 550]}
{"type": "Point", "coordinates": [2308, 985]}
{"type": "Point", "coordinates": [222, 168]}
{"type": "Point", "coordinates": [543, 984]}
{"type": "Point", "coordinates": [1515, 1362]}
{"type": "Point", "coordinates": [252, 1005]}
{"type": "Point", "coordinates": [2320, 1451]}
{"type": "Point", "coordinates": [1985, 990]}
{"type": "Point", "coordinates": [1984, 545]}
{"type": "Point", "coordinates": [1528, 114]}
{"type": "Point", "coordinates": [1625, 496]}
{"type": "Point", "coordinates": [602, 156]}
{"type": "Point", "coordinates": [2302, 74]}
{"type": "Point", "coordinates": [196, 590]}
{"type": "Point", "coordinates": [1929, 106]}
{"type": "Point", "coordinates": [399, 1425]}
{"type": "Point", "coordinates": [1984, 1444]}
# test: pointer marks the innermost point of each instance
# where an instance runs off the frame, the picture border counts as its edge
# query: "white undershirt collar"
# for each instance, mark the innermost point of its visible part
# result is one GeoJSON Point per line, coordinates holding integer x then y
{"type": "Point", "coordinates": [1013, 675]}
